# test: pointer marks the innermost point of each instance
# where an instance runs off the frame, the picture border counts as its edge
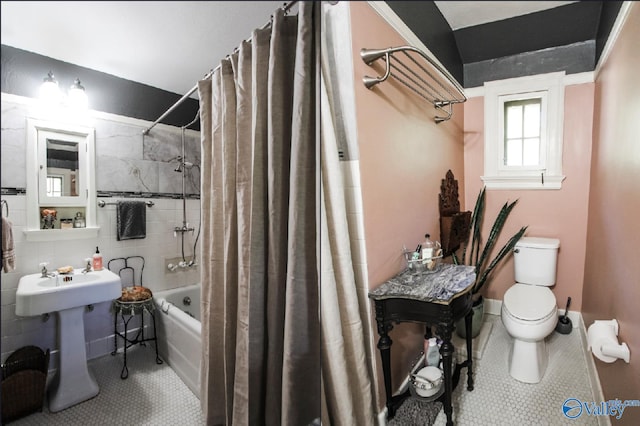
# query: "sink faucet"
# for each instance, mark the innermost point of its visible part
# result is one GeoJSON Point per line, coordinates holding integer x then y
{"type": "Point", "coordinates": [87, 268]}
{"type": "Point", "coordinates": [45, 273]}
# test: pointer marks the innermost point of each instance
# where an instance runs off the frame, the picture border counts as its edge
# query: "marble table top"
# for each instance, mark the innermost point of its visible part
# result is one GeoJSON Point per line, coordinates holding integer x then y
{"type": "Point", "coordinates": [440, 285]}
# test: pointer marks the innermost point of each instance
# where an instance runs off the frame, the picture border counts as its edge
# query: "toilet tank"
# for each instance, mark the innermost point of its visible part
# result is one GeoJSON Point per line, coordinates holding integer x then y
{"type": "Point", "coordinates": [535, 260]}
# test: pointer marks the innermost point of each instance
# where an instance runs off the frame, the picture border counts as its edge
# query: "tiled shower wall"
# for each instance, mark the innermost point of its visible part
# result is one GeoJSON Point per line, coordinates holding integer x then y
{"type": "Point", "coordinates": [125, 162]}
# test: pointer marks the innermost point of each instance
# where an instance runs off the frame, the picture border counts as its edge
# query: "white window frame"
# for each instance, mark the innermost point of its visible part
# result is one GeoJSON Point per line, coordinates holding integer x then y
{"type": "Point", "coordinates": [543, 125]}
{"type": "Point", "coordinates": [548, 87]}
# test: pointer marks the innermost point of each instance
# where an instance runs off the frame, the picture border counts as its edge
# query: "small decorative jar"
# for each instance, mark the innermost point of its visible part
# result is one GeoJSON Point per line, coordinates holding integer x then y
{"type": "Point", "coordinates": [78, 221]}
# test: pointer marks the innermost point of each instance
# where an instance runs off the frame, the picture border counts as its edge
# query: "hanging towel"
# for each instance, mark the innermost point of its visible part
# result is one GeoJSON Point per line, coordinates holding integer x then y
{"type": "Point", "coordinates": [8, 253]}
{"type": "Point", "coordinates": [132, 220]}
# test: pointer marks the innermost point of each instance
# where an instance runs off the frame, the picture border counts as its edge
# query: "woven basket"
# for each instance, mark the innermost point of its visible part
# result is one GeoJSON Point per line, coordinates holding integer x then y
{"type": "Point", "coordinates": [24, 377]}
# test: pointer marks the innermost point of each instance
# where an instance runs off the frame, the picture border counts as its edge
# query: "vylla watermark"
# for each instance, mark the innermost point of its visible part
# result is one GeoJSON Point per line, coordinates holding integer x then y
{"type": "Point", "coordinates": [572, 408]}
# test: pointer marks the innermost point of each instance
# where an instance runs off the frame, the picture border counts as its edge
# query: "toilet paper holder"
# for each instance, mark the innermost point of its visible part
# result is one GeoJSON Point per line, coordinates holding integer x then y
{"type": "Point", "coordinates": [602, 338]}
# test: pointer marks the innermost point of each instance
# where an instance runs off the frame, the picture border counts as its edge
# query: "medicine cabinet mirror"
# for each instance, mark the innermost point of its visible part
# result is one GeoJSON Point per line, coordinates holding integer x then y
{"type": "Point", "coordinates": [60, 178]}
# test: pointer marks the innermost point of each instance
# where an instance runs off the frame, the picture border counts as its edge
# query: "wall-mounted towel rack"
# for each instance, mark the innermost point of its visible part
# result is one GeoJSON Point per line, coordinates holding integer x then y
{"type": "Point", "coordinates": [419, 73]}
{"type": "Point", "coordinates": [102, 203]}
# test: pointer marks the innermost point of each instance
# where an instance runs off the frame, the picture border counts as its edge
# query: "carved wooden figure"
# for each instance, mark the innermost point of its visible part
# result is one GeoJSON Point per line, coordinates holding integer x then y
{"type": "Point", "coordinates": [454, 224]}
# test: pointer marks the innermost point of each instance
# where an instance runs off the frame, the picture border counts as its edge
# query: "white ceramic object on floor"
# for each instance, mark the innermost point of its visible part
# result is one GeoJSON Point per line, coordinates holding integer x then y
{"type": "Point", "coordinates": [428, 381]}
{"type": "Point", "coordinates": [68, 297]}
{"type": "Point", "coordinates": [529, 310]}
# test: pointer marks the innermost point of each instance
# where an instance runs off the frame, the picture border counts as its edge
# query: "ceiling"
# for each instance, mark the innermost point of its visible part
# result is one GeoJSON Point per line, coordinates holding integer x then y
{"type": "Point", "coordinates": [172, 44]}
{"type": "Point", "coordinates": [462, 14]}
{"type": "Point", "coordinates": [165, 44]}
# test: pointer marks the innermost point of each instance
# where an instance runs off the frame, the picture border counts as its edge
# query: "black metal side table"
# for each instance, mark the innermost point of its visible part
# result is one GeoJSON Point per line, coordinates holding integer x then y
{"type": "Point", "coordinates": [128, 308]}
{"type": "Point", "coordinates": [435, 298]}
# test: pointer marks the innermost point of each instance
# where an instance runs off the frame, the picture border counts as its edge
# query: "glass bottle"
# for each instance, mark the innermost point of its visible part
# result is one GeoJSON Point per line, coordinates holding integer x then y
{"type": "Point", "coordinates": [427, 249]}
{"type": "Point", "coordinates": [78, 221]}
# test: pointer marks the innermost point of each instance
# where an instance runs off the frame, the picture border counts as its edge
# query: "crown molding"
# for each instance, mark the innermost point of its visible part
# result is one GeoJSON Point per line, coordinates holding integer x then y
{"type": "Point", "coordinates": [623, 14]}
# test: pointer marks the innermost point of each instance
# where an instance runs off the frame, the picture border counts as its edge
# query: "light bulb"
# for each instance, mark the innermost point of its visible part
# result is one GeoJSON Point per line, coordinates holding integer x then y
{"type": "Point", "coordinates": [77, 95]}
{"type": "Point", "coordinates": [49, 90]}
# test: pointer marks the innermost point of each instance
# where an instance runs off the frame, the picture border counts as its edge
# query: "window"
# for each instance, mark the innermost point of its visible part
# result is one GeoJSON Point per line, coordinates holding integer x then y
{"type": "Point", "coordinates": [523, 132]}
{"type": "Point", "coordinates": [54, 186]}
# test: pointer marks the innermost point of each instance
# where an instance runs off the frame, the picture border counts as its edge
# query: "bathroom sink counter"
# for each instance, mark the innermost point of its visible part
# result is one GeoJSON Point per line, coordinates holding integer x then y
{"type": "Point", "coordinates": [438, 286]}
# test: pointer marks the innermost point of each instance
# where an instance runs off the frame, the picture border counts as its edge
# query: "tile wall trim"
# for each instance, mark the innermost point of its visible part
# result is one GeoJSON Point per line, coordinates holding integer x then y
{"type": "Point", "coordinates": [13, 191]}
{"type": "Point", "coordinates": [93, 114]}
{"type": "Point", "coordinates": [128, 194]}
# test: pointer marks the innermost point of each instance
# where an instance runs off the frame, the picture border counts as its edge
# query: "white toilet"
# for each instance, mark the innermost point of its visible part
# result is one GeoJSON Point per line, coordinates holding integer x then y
{"type": "Point", "coordinates": [529, 311]}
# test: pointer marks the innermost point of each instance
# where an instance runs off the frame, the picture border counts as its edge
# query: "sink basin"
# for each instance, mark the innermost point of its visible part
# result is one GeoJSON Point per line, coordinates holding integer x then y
{"type": "Point", "coordinates": [37, 295]}
{"type": "Point", "coordinates": [67, 295]}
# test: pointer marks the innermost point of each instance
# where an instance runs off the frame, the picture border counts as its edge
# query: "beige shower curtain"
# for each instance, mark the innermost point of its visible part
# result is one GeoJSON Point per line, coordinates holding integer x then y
{"type": "Point", "coordinates": [347, 353]}
{"type": "Point", "coordinates": [260, 325]}
{"type": "Point", "coordinates": [348, 393]}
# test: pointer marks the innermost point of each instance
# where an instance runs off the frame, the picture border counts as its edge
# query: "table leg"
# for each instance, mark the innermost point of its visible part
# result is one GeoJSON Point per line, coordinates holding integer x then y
{"type": "Point", "coordinates": [155, 337]}
{"type": "Point", "coordinates": [384, 345]}
{"type": "Point", "coordinates": [115, 333]}
{"type": "Point", "coordinates": [467, 325]}
{"type": "Point", "coordinates": [446, 350]}
{"type": "Point", "coordinates": [125, 370]}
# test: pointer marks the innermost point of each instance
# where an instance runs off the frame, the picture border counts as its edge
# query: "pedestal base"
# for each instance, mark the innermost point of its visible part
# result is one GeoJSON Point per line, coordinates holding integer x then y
{"type": "Point", "coordinates": [528, 360]}
{"type": "Point", "coordinates": [73, 383]}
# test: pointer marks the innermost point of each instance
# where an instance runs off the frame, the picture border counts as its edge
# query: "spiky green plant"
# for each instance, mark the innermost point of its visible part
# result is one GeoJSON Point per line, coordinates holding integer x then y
{"type": "Point", "coordinates": [479, 259]}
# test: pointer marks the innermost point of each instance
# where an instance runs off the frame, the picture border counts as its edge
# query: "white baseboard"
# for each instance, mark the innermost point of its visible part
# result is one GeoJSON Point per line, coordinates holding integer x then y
{"type": "Point", "coordinates": [405, 383]}
{"type": "Point", "coordinates": [382, 417]}
{"type": "Point", "coordinates": [478, 344]}
{"type": "Point", "coordinates": [594, 380]}
{"type": "Point", "coordinates": [492, 306]}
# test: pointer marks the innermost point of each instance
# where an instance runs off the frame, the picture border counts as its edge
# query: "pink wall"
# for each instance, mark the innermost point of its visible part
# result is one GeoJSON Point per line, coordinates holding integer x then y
{"type": "Point", "coordinates": [404, 156]}
{"type": "Point", "coordinates": [559, 214]}
{"type": "Point", "coordinates": [612, 270]}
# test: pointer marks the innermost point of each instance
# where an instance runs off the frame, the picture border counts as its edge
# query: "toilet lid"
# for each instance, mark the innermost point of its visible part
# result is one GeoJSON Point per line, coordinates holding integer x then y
{"type": "Point", "coordinates": [529, 302]}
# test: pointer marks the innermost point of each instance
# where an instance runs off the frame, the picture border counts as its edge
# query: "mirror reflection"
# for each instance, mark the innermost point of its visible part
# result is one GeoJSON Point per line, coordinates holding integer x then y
{"type": "Point", "coordinates": [62, 168]}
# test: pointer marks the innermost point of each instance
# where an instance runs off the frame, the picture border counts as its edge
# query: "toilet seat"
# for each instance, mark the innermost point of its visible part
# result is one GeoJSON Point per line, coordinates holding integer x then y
{"type": "Point", "coordinates": [529, 302]}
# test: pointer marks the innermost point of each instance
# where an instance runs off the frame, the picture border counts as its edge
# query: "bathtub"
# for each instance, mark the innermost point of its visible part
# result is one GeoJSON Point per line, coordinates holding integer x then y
{"type": "Point", "coordinates": [179, 332]}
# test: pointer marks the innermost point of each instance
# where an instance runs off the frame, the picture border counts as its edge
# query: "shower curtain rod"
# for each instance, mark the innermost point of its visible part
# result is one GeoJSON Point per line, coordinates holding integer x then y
{"type": "Point", "coordinates": [146, 131]}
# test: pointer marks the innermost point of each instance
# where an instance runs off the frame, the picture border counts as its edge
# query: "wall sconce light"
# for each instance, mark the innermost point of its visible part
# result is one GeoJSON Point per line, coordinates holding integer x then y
{"type": "Point", "coordinates": [51, 94]}
{"type": "Point", "coordinates": [49, 90]}
{"type": "Point", "coordinates": [77, 95]}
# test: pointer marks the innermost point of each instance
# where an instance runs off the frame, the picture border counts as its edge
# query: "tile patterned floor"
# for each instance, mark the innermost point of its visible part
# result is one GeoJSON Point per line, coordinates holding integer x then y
{"type": "Point", "coordinates": [498, 399]}
{"type": "Point", "coordinates": [153, 395]}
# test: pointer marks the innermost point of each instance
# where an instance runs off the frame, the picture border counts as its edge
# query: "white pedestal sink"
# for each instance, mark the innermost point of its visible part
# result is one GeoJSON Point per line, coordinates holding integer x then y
{"type": "Point", "coordinates": [68, 295]}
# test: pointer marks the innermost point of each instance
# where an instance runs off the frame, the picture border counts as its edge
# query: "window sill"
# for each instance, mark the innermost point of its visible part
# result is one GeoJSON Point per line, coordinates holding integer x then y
{"type": "Point", "coordinates": [522, 182]}
{"type": "Point", "coordinates": [61, 234]}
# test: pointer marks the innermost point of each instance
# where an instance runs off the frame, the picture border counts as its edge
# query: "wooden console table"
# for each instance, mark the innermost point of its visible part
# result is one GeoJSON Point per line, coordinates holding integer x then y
{"type": "Point", "coordinates": [436, 298]}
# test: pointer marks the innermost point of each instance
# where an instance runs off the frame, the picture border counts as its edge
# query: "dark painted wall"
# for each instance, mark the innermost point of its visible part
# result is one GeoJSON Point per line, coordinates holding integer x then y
{"type": "Point", "coordinates": [23, 71]}
{"type": "Point", "coordinates": [426, 21]}
{"type": "Point", "coordinates": [559, 26]}
{"type": "Point", "coordinates": [567, 38]}
{"type": "Point", "coordinates": [572, 59]}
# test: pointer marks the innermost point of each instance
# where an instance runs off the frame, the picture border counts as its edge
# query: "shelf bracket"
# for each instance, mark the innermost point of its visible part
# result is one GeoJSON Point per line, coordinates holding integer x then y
{"type": "Point", "coordinates": [430, 81]}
